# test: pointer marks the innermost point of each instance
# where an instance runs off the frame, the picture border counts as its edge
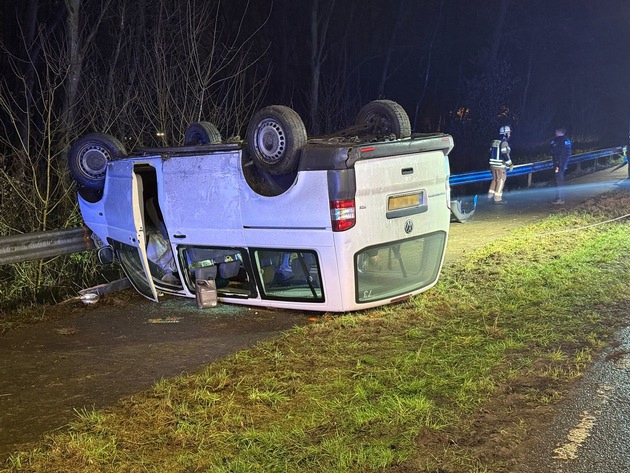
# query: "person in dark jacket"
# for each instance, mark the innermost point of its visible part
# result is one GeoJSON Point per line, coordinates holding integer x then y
{"type": "Point", "coordinates": [560, 152]}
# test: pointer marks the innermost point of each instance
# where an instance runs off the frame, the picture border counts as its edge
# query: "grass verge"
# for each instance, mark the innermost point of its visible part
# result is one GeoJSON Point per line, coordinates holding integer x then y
{"type": "Point", "coordinates": [369, 391]}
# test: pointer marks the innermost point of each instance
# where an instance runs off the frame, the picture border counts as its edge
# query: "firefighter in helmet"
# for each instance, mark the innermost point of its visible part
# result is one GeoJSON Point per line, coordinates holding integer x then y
{"type": "Point", "coordinates": [500, 162]}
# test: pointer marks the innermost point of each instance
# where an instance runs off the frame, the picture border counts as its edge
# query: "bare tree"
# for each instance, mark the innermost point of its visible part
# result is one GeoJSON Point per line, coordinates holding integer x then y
{"type": "Point", "coordinates": [497, 34]}
{"type": "Point", "coordinates": [80, 35]}
{"type": "Point", "coordinates": [34, 195]}
{"type": "Point", "coordinates": [176, 63]}
{"type": "Point", "coordinates": [401, 13]}
{"type": "Point", "coordinates": [319, 24]}
{"type": "Point", "coordinates": [427, 69]}
{"type": "Point", "coordinates": [172, 65]}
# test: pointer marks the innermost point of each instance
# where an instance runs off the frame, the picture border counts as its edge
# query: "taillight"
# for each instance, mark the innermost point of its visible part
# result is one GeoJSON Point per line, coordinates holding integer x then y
{"type": "Point", "coordinates": [342, 215]}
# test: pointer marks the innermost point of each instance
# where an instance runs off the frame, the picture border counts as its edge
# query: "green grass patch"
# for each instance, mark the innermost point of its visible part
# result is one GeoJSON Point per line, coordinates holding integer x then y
{"type": "Point", "coordinates": [357, 392]}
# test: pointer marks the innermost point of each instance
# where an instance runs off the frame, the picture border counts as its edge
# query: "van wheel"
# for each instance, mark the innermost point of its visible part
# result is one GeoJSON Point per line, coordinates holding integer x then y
{"type": "Point", "coordinates": [87, 161]}
{"type": "Point", "coordinates": [275, 136]}
{"type": "Point", "coordinates": [385, 117]}
{"type": "Point", "coordinates": [201, 133]}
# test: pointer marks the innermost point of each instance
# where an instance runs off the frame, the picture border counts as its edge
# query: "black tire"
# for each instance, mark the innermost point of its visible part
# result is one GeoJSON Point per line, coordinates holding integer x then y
{"type": "Point", "coordinates": [87, 161]}
{"type": "Point", "coordinates": [201, 133]}
{"type": "Point", "coordinates": [385, 117]}
{"type": "Point", "coordinates": [275, 136]}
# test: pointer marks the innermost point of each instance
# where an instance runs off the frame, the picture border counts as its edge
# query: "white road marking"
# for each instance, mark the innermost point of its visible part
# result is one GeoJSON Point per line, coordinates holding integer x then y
{"type": "Point", "coordinates": [576, 438]}
{"type": "Point", "coordinates": [578, 435]}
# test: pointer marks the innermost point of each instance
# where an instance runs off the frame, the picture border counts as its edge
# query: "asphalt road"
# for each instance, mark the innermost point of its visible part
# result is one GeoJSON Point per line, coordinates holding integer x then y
{"type": "Point", "coordinates": [591, 428]}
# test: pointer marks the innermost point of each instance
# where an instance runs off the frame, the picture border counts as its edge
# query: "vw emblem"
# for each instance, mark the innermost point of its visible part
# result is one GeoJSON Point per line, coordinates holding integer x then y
{"type": "Point", "coordinates": [408, 226]}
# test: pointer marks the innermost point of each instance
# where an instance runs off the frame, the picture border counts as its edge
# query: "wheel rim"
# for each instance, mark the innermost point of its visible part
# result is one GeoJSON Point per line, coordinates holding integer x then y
{"type": "Point", "coordinates": [94, 161]}
{"type": "Point", "coordinates": [379, 123]}
{"type": "Point", "coordinates": [271, 141]}
{"type": "Point", "coordinates": [197, 139]}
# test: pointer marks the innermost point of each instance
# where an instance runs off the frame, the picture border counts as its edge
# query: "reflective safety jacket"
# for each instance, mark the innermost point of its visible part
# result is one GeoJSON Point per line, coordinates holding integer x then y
{"type": "Point", "coordinates": [500, 154]}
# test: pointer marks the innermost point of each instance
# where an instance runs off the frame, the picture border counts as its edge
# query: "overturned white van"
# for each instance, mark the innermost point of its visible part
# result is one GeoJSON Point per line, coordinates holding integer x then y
{"type": "Point", "coordinates": [338, 223]}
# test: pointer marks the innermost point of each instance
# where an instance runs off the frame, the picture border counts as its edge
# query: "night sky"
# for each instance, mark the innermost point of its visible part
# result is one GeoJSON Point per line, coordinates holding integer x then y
{"type": "Point", "coordinates": [462, 67]}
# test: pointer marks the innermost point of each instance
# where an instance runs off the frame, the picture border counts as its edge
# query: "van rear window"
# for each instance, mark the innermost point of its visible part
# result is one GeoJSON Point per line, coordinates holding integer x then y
{"type": "Point", "coordinates": [392, 269]}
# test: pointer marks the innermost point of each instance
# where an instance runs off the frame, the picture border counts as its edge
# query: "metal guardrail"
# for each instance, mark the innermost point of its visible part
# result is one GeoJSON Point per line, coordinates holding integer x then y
{"type": "Point", "coordinates": [522, 169]}
{"type": "Point", "coordinates": [33, 246]}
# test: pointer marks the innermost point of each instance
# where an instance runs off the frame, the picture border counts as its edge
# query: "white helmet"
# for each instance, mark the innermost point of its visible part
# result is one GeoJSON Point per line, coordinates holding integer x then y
{"type": "Point", "coordinates": [505, 129]}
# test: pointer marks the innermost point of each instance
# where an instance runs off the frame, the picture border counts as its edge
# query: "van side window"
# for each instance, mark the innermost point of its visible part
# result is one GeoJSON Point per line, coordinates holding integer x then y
{"type": "Point", "coordinates": [226, 266]}
{"type": "Point", "coordinates": [289, 274]}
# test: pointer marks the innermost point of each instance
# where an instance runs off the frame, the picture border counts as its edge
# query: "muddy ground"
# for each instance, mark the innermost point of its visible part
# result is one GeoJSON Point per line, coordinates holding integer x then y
{"type": "Point", "coordinates": [93, 356]}
{"type": "Point", "coordinates": [82, 356]}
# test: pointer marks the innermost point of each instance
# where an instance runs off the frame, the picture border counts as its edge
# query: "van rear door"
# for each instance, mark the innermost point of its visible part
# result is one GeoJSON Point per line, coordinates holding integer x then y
{"type": "Point", "coordinates": [402, 220]}
{"type": "Point", "coordinates": [392, 189]}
